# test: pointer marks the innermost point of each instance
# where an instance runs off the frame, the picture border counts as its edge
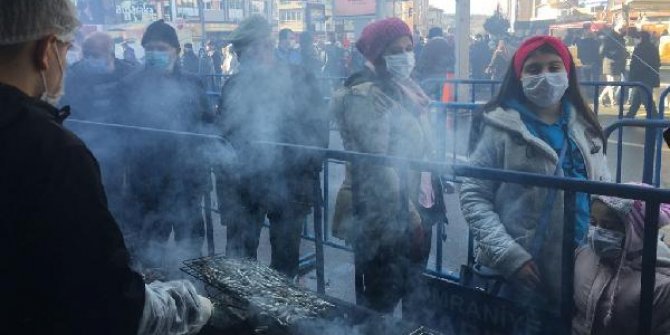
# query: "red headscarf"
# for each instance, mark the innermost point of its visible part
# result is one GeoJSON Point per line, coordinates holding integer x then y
{"type": "Point", "coordinates": [533, 43]}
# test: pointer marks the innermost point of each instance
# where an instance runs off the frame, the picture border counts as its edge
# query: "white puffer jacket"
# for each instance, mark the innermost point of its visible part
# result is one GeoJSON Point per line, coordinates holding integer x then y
{"type": "Point", "coordinates": [503, 217]}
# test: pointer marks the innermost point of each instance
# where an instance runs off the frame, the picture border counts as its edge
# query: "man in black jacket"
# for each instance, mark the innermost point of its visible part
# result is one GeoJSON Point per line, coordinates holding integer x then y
{"type": "Point", "coordinates": [644, 67]}
{"type": "Point", "coordinates": [167, 174]}
{"type": "Point", "coordinates": [93, 90]}
{"type": "Point", "coordinates": [65, 265]}
{"type": "Point", "coordinates": [269, 101]}
{"type": "Point", "coordinates": [588, 52]}
{"type": "Point", "coordinates": [189, 61]}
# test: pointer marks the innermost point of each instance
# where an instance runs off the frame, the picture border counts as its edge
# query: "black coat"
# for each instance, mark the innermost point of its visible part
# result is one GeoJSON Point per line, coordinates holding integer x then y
{"type": "Point", "coordinates": [162, 164]}
{"type": "Point", "coordinates": [282, 104]}
{"type": "Point", "coordinates": [190, 62]}
{"type": "Point", "coordinates": [646, 64]}
{"type": "Point", "coordinates": [65, 265]}
{"type": "Point", "coordinates": [588, 50]}
{"type": "Point", "coordinates": [614, 53]}
{"type": "Point", "coordinates": [93, 96]}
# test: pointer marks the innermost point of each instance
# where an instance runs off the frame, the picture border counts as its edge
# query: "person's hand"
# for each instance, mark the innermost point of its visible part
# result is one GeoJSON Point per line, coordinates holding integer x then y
{"type": "Point", "coordinates": [528, 275]}
{"type": "Point", "coordinates": [205, 312]}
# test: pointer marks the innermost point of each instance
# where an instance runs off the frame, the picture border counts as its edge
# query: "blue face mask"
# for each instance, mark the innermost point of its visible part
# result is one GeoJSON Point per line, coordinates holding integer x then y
{"type": "Point", "coordinates": [159, 61]}
{"type": "Point", "coordinates": [97, 65]}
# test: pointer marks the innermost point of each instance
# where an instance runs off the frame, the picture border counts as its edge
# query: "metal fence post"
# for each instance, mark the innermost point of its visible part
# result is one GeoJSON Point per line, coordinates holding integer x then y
{"type": "Point", "coordinates": [438, 247]}
{"type": "Point", "coordinates": [596, 98]}
{"type": "Point", "coordinates": [567, 259]}
{"type": "Point", "coordinates": [659, 138]}
{"type": "Point", "coordinates": [209, 225]}
{"type": "Point", "coordinates": [648, 279]}
{"type": "Point", "coordinates": [619, 145]}
{"type": "Point", "coordinates": [649, 140]}
{"type": "Point", "coordinates": [318, 236]}
{"type": "Point", "coordinates": [442, 132]}
{"type": "Point", "coordinates": [357, 208]}
{"type": "Point", "coordinates": [326, 189]}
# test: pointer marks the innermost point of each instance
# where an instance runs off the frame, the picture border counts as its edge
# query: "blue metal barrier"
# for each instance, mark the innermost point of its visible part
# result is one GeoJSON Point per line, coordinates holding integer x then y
{"type": "Point", "coordinates": [653, 198]}
{"type": "Point", "coordinates": [661, 103]}
{"type": "Point", "coordinates": [659, 140]}
{"type": "Point", "coordinates": [650, 133]}
{"type": "Point", "coordinates": [652, 139]}
{"type": "Point", "coordinates": [652, 126]}
{"type": "Point", "coordinates": [473, 83]}
{"type": "Point", "coordinates": [570, 186]}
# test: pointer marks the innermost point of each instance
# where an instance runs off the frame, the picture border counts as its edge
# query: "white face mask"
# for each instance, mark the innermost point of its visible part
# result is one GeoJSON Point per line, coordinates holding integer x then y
{"type": "Point", "coordinates": [606, 243]}
{"type": "Point", "coordinates": [545, 89]}
{"type": "Point", "coordinates": [400, 65]}
{"type": "Point", "coordinates": [53, 98]}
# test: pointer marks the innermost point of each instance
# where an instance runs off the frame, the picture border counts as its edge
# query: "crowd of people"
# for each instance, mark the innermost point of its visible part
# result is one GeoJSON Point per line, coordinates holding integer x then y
{"type": "Point", "coordinates": [611, 54]}
{"type": "Point", "coordinates": [84, 250]}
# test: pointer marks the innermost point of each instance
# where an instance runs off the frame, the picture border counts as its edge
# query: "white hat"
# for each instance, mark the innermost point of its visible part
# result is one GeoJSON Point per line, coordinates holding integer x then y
{"type": "Point", "coordinates": [29, 20]}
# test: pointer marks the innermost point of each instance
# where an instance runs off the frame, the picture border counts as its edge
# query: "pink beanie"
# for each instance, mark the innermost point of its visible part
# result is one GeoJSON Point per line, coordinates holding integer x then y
{"type": "Point", "coordinates": [532, 44]}
{"type": "Point", "coordinates": [378, 35]}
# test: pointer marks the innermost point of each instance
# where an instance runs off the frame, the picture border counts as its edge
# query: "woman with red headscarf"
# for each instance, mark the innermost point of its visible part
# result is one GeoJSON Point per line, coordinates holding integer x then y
{"type": "Point", "coordinates": [381, 110]}
{"type": "Point", "coordinates": [538, 123]}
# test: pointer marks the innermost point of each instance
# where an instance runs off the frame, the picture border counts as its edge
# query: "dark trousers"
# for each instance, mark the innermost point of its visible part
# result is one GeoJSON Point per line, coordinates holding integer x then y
{"type": "Point", "coordinates": [244, 230]}
{"type": "Point", "coordinates": [391, 272]}
{"type": "Point", "coordinates": [153, 223]}
{"type": "Point", "coordinates": [637, 98]}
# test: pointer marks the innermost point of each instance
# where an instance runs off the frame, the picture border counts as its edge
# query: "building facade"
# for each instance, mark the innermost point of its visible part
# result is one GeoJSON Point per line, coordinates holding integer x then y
{"type": "Point", "coordinates": [304, 15]}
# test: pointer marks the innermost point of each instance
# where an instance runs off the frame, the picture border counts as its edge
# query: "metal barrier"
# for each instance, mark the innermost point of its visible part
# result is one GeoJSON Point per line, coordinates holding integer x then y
{"type": "Point", "coordinates": [473, 83]}
{"type": "Point", "coordinates": [493, 84]}
{"type": "Point", "coordinates": [659, 139]}
{"type": "Point", "coordinates": [570, 186]}
{"type": "Point", "coordinates": [651, 138]}
{"type": "Point", "coordinates": [651, 125]}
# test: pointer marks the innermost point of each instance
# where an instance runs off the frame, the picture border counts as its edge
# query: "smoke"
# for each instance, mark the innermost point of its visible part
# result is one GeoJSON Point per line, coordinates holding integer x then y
{"type": "Point", "coordinates": [154, 179]}
{"type": "Point", "coordinates": [281, 104]}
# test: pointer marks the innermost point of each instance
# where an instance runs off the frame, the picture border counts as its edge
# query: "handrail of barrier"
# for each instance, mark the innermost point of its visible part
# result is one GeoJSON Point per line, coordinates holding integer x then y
{"type": "Point", "coordinates": [507, 176]}
{"type": "Point", "coordinates": [634, 123]}
{"type": "Point", "coordinates": [149, 129]}
{"type": "Point", "coordinates": [652, 140]}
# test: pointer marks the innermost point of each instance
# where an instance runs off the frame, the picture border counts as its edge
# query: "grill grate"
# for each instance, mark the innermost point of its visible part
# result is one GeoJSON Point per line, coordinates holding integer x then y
{"type": "Point", "coordinates": [260, 286]}
{"type": "Point", "coordinates": [274, 305]}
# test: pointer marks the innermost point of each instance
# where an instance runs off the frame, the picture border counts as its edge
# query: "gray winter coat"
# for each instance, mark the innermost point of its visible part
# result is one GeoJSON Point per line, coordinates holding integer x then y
{"type": "Point", "coordinates": [503, 217]}
{"type": "Point", "coordinates": [371, 121]}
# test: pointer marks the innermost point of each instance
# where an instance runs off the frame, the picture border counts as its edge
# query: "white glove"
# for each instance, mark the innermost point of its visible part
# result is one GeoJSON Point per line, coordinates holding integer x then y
{"type": "Point", "coordinates": [173, 308]}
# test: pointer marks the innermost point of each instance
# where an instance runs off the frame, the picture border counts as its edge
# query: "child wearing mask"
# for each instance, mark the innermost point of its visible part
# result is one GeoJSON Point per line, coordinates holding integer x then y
{"type": "Point", "coordinates": [608, 270]}
{"type": "Point", "coordinates": [539, 123]}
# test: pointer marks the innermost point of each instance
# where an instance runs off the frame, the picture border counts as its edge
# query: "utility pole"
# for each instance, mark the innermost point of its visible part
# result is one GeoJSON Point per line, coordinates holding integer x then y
{"type": "Point", "coordinates": [201, 14]}
{"type": "Point", "coordinates": [462, 45]}
{"type": "Point", "coordinates": [381, 9]}
{"type": "Point", "coordinates": [173, 10]}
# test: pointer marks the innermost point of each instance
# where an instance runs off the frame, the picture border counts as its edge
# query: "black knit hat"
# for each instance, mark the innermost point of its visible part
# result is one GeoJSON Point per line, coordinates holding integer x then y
{"type": "Point", "coordinates": [161, 31]}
